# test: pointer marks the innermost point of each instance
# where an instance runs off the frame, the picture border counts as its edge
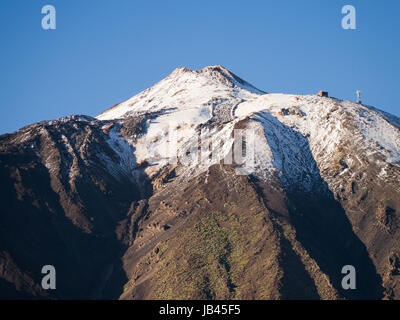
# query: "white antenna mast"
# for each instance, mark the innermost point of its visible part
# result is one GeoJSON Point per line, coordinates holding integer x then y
{"type": "Point", "coordinates": [358, 92]}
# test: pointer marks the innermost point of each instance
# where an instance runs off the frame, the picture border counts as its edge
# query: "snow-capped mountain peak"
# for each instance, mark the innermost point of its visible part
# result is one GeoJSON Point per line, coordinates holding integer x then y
{"type": "Point", "coordinates": [186, 89]}
{"type": "Point", "coordinates": [320, 187]}
{"type": "Point", "coordinates": [311, 126]}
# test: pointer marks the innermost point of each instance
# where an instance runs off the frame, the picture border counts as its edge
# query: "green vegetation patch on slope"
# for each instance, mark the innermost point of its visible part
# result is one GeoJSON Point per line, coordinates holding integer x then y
{"type": "Point", "coordinates": [209, 259]}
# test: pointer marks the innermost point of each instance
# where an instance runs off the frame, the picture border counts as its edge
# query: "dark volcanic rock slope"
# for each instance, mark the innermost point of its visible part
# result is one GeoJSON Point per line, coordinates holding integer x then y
{"type": "Point", "coordinates": [101, 200]}
{"type": "Point", "coordinates": [63, 194]}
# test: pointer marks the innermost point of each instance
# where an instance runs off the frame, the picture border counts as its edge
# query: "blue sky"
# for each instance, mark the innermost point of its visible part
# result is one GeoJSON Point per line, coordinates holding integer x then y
{"type": "Point", "coordinates": [103, 52]}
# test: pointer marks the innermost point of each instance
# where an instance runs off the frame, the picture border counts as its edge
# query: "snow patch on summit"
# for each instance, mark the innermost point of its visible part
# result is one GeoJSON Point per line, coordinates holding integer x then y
{"type": "Point", "coordinates": [299, 138]}
{"type": "Point", "coordinates": [186, 90]}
